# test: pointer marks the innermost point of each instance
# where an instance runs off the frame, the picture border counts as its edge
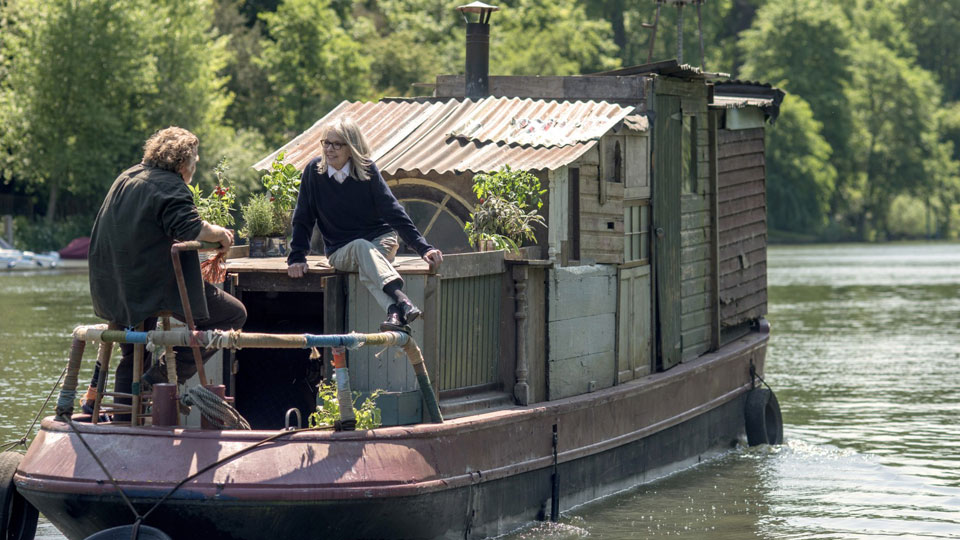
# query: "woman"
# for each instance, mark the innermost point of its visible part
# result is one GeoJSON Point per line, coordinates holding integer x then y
{"type": "Point", "coordinates": [344, 194]}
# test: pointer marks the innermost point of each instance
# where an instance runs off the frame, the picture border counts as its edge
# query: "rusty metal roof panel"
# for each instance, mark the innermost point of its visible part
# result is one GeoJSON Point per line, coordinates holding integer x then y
{"type": "Point", "coordinates": [463, 135]}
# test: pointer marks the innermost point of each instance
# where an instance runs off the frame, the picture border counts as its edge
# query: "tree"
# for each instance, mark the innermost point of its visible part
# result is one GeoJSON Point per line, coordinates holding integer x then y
{"type": "Point", "coordinates": [312, 64]}
{"type": "Point", "coordinates": [932, 25]}
{"type": "Point", "coordinates": [804, 47]}
{"type": "Point", "coordinates": [536, 37]}
{"type": "Point", "coordinates": [800, 178]}
{"type": "Point", "coordinates": [412, 41]}
{"type": "Point", "coordinates": [71, 98]}
{"type": "Point", "coordinates": [896, 148]}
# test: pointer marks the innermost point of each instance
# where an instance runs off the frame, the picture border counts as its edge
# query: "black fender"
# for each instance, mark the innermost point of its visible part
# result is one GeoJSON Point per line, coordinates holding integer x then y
{"type": "Point", "coordinates": [762, 418]}
{"type": "Point", "coordinates": [125, 532]}
{"type": "Point", "coordinates": [18, 518]}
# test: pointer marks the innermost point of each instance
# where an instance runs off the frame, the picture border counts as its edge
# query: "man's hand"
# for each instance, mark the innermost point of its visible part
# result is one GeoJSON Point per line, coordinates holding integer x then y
{"type": "Point", "coordinates": [433, 257]}
{"type": "Point", "coordinates": [215, 233]}
{"type": "Point", "coordinates": [297, 270]}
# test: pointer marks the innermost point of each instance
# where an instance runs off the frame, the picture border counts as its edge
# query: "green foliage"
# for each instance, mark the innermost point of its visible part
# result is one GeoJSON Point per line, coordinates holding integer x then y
{"type": "Point", "coordinates": [507, 211]}
{"type": "Point", "coordinates": [283, 184]}
{"type": "Point", "coordinates": [328, 412]}
{"type": "Point", "coordinates": [800, 178]}
{"type": "Point", "coordinates": [34, 235]}
{"type": "Point", "coordinates": [86, 85]}
{"type": "Point", "coordinates": [537, 37]}
{"type": "Point", "coordinates": [311, 62]}
{"type": "Point", "coordinates": [259, 218]}
{"type": "Point", "coordinates": [908, 218]}
{"type": "Point", "coordinates": [217, 207]}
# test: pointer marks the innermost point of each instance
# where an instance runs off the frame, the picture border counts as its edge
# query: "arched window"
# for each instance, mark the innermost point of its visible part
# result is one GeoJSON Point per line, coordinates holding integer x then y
{"type": "Point", "coordinates": [438, 212]}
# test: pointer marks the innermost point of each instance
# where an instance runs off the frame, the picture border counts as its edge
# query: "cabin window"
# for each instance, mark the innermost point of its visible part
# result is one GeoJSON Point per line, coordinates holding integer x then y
{"type": "Point", "coordinates": [689, 154]}
{"type": "Point", "coordinates": [612, 158]}
{"type": "Point", "coordinates": [636, 229]}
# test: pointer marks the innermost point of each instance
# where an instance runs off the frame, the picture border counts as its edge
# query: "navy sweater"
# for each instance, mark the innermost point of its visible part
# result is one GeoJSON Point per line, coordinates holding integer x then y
{"type": "Point", "coordinates": [346, 212]}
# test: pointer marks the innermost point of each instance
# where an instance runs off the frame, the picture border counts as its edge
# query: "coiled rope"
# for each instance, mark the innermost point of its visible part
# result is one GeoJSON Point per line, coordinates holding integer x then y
{"type": "Point", "coordinates": [214, 408]}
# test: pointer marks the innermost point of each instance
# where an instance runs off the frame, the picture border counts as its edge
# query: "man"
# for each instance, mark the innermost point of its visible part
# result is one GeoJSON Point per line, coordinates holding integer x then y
{"type": "Point", "coordinates": [344, 194]}
{"type": "Point", "coordinates": [148, 209]}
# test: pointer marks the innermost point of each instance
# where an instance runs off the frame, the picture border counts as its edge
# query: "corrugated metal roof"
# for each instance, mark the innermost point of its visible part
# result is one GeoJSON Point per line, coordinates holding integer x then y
{"type": "Point", "coordinates": [463, 135]}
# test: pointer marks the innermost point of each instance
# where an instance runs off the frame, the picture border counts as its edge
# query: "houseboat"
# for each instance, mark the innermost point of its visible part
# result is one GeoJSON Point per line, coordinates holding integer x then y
{"type": "Point", "coordinates": [627, 342]}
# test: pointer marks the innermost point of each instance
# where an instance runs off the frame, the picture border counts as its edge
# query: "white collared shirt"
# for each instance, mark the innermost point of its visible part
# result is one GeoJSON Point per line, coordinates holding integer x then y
{"type": "Point", "coordinates": [339, 174]}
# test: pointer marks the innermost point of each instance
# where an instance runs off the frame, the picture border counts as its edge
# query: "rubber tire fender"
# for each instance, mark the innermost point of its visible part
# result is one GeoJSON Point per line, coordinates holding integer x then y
{"type": "Point", "coordinates": [18, 518]}
{"type": "Point", "coordinates": [763, 421]}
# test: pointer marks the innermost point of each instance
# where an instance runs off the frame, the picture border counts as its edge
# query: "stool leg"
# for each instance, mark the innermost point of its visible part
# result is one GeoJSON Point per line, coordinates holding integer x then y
{"type": "Point", "coordinates": [103, 360]}
{"type": "Point", "coordinates": [138, 351]}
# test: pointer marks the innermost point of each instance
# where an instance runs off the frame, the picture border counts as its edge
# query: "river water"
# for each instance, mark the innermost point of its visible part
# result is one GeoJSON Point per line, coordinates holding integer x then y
{"type": "Point", "coordinates": [864, 358]}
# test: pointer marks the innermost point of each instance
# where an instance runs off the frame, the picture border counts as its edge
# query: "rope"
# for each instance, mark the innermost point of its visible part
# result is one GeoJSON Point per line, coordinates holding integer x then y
{"type": "Point", "coordinates": [22, 441]}
{"type": "Point", "coordinates": [753, 373]}
{"type": "Point", "coordinates": [223, 339]}
{"type": "Point", "coordinates": [214, 409]}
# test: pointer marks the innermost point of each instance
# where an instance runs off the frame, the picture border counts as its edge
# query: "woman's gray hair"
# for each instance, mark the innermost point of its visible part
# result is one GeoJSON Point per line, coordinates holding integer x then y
{"type": "Point", "coordinates": [349, 131]}
{"type": "Point", "coordinates": [170, 148]}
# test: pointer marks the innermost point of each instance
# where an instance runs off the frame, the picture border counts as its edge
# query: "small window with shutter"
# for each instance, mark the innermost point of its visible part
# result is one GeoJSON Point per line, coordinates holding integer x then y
{"type": "Point", "coordinates": [636, 230]}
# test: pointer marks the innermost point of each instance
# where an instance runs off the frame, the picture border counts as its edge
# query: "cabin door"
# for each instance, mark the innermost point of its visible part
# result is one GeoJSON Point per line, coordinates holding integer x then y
{"type": "Point", "coordinates": [667, 171]}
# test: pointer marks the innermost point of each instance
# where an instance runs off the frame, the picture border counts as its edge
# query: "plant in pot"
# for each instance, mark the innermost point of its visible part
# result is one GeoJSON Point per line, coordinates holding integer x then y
{"type": "Point", "coordinates": [509, 202]}
{"type": "Point", "coordinates": [265, 231]}
{"type": "Point", "coordinates": [267, 216]}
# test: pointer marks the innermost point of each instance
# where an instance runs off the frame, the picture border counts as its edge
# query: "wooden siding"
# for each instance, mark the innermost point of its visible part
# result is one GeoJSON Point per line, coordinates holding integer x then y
{"type": "Point", "coordinates": [371, 369]}
{"type": "Point", "coordinates": [743, 226]}
{"type": "Point", "coordinates": [469, 332]}
{"type": "Point", "coordinates": [601, 223]}
{"type": "Point", "coordinates": [581, 329]}
{"type": "Point", "coordinates": [635, 339]}
{"type": "Point", "coordinates": [637, 174]}
{"type": "Point", "coordinates": [696, 235]}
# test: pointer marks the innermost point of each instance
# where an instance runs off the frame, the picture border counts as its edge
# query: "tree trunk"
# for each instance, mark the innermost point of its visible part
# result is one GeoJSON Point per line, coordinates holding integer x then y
{"type": "Point", "coordinates": [52, 201]}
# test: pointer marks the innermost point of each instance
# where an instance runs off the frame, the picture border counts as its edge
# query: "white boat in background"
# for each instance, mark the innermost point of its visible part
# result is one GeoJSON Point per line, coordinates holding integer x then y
{"type": "Point", "coordinates": [12, 258]}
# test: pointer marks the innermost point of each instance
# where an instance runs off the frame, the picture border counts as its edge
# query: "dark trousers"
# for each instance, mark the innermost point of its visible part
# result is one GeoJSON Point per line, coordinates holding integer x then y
{"type": "Point", "coordinates": [225, 313]}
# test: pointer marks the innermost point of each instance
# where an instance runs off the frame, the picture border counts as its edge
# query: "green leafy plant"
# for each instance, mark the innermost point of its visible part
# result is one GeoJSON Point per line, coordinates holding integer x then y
{"type": "Point", "coordinates": [328, 412]}
{"type": "Point", "coordinates": [259, 218]}
{"type": "Point", "coordinates": [217, 207]}
{"type": "Point", "coordinates": [283, 184]}
{"type": "Point", "coordinates": [508, 209]}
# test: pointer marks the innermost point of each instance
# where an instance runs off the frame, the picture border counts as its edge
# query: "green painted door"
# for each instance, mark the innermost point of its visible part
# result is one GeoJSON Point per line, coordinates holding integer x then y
{"type": "Point", "coordinates": [667, 171]}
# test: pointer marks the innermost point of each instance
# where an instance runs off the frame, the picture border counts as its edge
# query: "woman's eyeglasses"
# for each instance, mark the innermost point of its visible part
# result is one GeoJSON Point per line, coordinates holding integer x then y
{"type": "Point", "coordinates": [331, 144]}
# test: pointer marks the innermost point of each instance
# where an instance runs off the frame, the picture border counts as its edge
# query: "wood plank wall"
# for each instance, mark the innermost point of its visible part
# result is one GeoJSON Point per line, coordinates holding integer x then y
{"type": "Point", "coordinates": [601, 225]}
{"type": "Point", "coordinates": [696, 232]}
{"type": "Point", "coordinates": [743, 226]}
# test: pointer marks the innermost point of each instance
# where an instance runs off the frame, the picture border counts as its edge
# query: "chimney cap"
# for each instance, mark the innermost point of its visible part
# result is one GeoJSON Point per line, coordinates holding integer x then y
{"type": "Point", "coordinates": [477, 7]}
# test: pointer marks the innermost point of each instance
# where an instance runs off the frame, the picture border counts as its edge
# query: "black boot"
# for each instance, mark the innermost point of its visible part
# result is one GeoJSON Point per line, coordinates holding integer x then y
{"type": "Point", "coordinates": [394, 322]}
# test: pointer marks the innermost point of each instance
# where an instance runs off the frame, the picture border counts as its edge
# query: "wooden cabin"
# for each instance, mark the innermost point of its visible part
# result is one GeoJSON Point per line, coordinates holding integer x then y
{"type": "Point", "coordinates": [654, 251]}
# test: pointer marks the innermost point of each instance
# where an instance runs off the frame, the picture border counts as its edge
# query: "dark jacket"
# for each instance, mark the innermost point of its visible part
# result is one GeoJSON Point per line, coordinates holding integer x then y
{"type": "Point", "coordinates": [131, 274]}
{"type": "Point", "coordinates": [346, 212]}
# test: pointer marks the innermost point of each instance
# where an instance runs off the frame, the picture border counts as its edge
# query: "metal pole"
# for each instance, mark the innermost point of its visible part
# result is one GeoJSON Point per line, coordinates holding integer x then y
{"type": "Point", "coordinates": [679, 33]}
{"type": "Point", "coordinates": [703, 64]}
{"type": "Point", "coordinates": [653, 37]}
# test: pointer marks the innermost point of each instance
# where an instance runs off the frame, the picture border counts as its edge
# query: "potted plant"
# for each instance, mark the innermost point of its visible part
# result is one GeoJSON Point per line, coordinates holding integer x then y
{"type": "Point", "coordinates": [267, 216]}
{"type": "Point", "coordinates": [509, 202]}
{"type": "Point", "coordinates": [266, 233]}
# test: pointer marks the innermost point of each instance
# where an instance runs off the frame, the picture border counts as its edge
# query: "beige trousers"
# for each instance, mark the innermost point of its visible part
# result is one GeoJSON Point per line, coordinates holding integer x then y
{"type": "Point", "coordinates": [371, 259]}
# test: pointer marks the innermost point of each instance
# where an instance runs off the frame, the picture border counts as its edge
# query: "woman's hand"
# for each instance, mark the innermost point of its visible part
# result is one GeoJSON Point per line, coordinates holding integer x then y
{"type": "Point", "coordinates": [433, 257]}
{"type": "Point", "coordinates": [297, 270]}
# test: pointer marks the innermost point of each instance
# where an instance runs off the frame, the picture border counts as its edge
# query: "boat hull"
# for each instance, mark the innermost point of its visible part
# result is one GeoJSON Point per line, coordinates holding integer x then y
{"type": "Point", "coordinates": [470, 477]}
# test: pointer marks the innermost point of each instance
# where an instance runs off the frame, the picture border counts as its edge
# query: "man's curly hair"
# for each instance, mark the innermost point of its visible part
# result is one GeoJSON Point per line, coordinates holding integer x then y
{"type": "Point", "coordinates": [169, 148]}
